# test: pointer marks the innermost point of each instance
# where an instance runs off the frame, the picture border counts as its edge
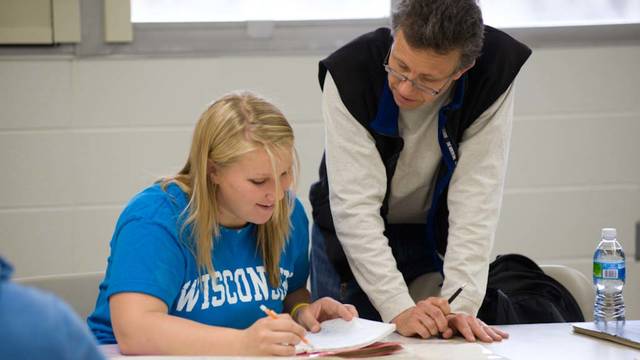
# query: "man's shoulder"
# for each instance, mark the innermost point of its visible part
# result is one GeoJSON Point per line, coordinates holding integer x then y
{"type": "Point", "coordinates": [500, 52]}
{"type": "Point", "coordinates": [357, 71]}
{"type": "Point", "coordinates": [495, 70]}
{"type": "Point", "coordinates": [373, 38]}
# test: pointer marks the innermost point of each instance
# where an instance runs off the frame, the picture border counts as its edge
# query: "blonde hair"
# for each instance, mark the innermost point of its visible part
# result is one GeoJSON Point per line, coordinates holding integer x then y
{"type": "Point", "coordinates": [231, 127]}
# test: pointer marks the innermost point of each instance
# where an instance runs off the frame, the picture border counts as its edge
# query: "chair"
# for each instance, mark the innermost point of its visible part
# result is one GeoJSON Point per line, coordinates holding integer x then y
{"type": "Point", "coordinates": [578, 285]}
{"type": "Point", "coordinates": [425, 285]}
{"type": "Point", "coordinates": [80, 290]}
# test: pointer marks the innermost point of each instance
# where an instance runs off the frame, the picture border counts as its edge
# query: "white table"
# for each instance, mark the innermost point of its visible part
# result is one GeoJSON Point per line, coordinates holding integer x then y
{"type": "Point", "coordinates": [526, 342]}
{"type": "Point", "coordinates": [558, 341]}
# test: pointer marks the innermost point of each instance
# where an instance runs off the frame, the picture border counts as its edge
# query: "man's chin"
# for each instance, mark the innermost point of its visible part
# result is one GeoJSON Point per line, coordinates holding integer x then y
{"type": "Point", "coordinates": [406, 104]}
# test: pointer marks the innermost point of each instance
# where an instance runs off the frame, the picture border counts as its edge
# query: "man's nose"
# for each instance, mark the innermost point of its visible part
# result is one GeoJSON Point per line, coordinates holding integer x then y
{"type": "Point", "coordinates": [406, 87]}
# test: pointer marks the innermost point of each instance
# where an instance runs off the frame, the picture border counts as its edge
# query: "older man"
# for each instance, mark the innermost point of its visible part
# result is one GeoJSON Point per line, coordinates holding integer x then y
{"type": "Point", "coordinates": [418, 121]}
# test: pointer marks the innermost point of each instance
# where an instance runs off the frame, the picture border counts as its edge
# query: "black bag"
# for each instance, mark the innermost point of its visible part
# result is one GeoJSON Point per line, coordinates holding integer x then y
{"type": "Point", "coordinates": [519, 292]}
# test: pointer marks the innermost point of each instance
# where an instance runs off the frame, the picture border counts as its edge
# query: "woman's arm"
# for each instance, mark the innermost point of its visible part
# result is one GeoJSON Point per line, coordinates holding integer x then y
{"type": "Point", "coordinates": [142, 325]}
{"type": "Point", "coordinates": [296, 297]}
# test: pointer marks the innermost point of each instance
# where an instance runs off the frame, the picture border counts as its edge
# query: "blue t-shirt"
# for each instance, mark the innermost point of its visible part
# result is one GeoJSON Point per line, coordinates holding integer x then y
{"type": "Point", "coordinates": [38, 325]}
{"type": "Point", "coordinates": [151, 254]}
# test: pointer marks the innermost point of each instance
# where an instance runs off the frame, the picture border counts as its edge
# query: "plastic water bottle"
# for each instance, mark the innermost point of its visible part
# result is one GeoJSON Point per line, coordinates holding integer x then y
{"type": "Point", "coordinates": [608, 279]}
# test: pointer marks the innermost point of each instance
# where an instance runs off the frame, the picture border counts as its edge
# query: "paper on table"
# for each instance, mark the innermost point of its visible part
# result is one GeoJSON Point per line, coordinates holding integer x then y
{"type": "Point", "coordinates": [339, 334]}
{"type": "Point", "coordinates": [627, 334]}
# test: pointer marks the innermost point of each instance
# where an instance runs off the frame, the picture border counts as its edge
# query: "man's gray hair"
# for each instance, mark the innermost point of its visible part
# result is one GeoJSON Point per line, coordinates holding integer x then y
{"type": "Point", "coordinates": [441, 26]}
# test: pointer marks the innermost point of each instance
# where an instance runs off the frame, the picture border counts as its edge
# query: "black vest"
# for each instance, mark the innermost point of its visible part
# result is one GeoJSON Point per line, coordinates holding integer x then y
{"type": "Point", "coordinates": [358, 72]}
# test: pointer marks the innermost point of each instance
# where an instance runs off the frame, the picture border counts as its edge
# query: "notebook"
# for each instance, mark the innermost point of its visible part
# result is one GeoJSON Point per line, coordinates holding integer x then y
{"type": "Point", "coordinates": [338, 335]}
{"type": "Point", "coordinates": [629, 334]}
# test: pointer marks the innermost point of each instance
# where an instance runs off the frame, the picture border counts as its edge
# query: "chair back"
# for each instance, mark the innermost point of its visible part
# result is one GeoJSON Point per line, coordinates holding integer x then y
{"type": "Point", "coordinates": [578, 285]}
{"type": "Point", "coordinates": [80, 290]}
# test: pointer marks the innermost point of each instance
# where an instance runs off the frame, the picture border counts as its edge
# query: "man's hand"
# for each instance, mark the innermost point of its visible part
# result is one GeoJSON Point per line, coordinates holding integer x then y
{"type": "Point", "coordinates": [428, 318]}
{"type": "Point", "coordinates": [471, 328]}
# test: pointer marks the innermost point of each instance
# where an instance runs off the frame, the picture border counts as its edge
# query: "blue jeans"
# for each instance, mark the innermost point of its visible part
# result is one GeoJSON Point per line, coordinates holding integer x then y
{"type": "Point", "coordinates": [409, 252]}
{"type": "Point", "coordinates": [325, 280]}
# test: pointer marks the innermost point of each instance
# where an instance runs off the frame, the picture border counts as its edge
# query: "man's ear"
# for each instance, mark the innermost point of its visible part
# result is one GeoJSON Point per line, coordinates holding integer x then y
{"type": "Point", "coordinates": [461, 72]}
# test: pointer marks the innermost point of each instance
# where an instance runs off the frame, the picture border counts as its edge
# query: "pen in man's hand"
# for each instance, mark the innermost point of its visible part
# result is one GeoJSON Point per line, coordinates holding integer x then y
{"type": "Point", "coordinates": [272, 314]}
{"type": "Point", "coordinates": [455, 294]}
{"type": "Point", "coordinates": [451, 298]}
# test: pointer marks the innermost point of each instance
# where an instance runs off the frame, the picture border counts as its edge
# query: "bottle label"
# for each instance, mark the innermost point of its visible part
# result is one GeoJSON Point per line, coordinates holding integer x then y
{"type": "Point", "coordinates": [609, 270]}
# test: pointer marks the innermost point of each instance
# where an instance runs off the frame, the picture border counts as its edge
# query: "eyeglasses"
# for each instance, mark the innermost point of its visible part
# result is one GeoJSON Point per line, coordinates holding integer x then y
{"type": "Point", "coordinates": [401, 77]}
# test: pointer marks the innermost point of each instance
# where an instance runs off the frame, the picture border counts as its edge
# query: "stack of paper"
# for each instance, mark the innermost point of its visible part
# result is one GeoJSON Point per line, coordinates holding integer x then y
{"type": "Point", "coordinates": [340, 335]}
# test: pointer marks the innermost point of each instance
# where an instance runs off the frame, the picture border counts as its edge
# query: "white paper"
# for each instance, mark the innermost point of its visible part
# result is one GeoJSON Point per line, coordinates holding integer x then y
{"type": "Point", "coordinates": [339, 334]}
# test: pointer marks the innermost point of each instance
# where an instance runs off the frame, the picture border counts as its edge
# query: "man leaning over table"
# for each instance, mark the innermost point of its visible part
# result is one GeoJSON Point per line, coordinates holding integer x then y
{"type": "Point", "coordinates": [418, 122]}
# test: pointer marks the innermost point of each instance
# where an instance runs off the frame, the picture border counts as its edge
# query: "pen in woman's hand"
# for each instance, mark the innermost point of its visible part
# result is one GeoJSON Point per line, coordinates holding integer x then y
{"type": "Point", "coordinates": [272, 314]}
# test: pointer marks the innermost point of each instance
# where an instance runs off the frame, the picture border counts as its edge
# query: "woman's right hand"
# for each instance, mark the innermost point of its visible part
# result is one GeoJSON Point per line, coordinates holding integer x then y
{"type": "Point", "coordinates": [273, 336]}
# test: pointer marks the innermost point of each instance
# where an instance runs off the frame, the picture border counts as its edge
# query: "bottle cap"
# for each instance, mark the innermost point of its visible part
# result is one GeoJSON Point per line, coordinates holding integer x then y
{"type": "Point", "coordinates": [609, 233]}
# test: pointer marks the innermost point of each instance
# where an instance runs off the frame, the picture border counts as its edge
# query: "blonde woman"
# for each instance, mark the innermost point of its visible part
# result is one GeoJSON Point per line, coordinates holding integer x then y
{"type": "Point", "coordinates": [195, 255]}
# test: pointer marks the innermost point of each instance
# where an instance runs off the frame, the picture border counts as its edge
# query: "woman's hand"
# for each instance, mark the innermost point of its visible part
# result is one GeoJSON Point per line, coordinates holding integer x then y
{"type": "Point", "coordinates": [310, 316]}
{"type": "Point", "coordinates": [269, 336]}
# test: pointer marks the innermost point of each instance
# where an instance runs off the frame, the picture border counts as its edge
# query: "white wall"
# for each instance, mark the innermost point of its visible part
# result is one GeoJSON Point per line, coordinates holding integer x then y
{"type": "Point", "coordinates": [79, 137]}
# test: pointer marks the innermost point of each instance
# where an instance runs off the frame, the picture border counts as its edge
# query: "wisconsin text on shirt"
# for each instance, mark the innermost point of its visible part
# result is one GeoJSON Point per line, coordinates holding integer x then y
{"type": "Point", "coordinates": [240, 285]}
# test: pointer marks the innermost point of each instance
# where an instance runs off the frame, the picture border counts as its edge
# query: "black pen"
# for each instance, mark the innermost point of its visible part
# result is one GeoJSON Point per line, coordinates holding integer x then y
{"type": "Point", "coordinates": [455, 294]}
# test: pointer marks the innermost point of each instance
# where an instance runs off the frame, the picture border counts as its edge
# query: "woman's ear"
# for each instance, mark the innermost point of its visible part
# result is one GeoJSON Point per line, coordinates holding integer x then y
{"type": "Point", "coordinates": [212, 171]}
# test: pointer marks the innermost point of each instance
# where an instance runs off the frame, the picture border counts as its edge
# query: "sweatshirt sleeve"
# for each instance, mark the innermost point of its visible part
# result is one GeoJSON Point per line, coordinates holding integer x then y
{"type": "Point", "coordinates": [357, 185]}
{"type": "Point", "coordinates": [474, 201]}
